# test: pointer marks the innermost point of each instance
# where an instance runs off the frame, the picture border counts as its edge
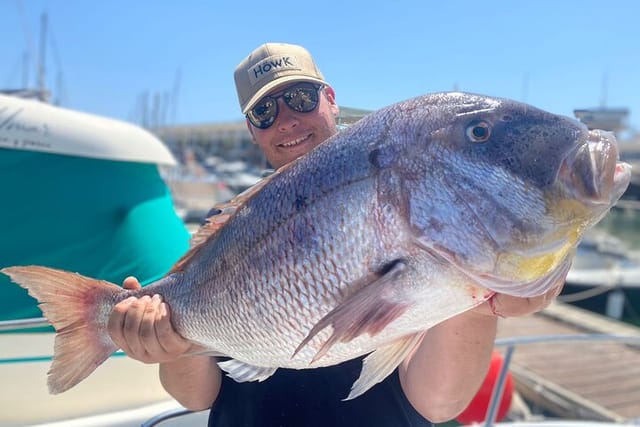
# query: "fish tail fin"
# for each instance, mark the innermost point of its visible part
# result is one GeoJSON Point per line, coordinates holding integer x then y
{"type": "Point", "coordinates": [78, 307]}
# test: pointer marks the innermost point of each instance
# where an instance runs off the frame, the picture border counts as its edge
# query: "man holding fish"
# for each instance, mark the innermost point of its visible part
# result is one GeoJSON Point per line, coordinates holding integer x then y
{"type": "Point", "coordinates": [291, 109]}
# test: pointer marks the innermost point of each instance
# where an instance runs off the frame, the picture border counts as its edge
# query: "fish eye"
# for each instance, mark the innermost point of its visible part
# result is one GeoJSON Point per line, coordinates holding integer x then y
{"type": "Point", "coordinates": [478, 132]}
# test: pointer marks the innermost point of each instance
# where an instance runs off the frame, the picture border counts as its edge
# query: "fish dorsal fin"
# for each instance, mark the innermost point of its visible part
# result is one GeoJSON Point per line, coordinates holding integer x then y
{"type": "Point", "coordinates": [221, 212]}
{"type": "Point", "coordinates": [218, 216]}
{"type": "Point", "coordinates": [378, 365]}
{"type": "Point", "coordinates": [243, 372]}
{"type": "Point", "coordinates": [368, 310]}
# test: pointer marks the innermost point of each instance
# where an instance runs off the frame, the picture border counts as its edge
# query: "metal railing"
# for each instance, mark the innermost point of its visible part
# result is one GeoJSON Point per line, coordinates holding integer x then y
{"type": "Point", "coordinates": [492, 410]}
{"type": "Point", "coordinates": [19, 324]}
{"type": "Point", "coordinates": [494, 403]}
{"type": "Point", "coordinates": [165, 416]}
{"type": "Point", "coordinates": [511, 343]}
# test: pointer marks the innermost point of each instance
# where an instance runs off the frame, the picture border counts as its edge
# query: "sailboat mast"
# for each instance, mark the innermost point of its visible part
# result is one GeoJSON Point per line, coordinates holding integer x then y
{"type": "Point", "coordinates": [42, 91]}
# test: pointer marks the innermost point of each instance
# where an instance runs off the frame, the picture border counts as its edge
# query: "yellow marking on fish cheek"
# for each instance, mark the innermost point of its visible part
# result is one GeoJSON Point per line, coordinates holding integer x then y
{"type": "Point", "coordinates": [572, 218]}
{"type": "Point", "coordinates": [528, 268]}
{"type": "Point", "coordinates": [576, 217]}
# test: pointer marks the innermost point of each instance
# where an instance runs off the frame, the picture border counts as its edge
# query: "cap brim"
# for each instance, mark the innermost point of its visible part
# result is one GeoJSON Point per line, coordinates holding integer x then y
{"type": "Point", "coordinates": [282, 81]}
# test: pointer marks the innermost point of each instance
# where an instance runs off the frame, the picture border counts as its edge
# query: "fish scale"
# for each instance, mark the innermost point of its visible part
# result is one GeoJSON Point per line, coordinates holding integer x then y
{"type": "Point", "coordinates": [287, 276]}
{"type": "Point", "coordinates": [416, 213]}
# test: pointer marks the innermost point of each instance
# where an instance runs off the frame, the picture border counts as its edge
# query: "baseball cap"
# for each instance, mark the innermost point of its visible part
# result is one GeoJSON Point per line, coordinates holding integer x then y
{"type": "Point", "coordinates": [271, 65]}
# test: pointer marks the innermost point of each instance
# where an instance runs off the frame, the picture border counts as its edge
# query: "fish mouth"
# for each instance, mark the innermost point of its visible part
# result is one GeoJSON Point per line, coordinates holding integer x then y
{"type": "Point", "coordinates": [593, 172]}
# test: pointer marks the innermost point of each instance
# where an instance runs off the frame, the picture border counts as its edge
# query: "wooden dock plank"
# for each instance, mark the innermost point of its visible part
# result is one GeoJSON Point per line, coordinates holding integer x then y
{"type": "Point", "coordinates": [588, 380]}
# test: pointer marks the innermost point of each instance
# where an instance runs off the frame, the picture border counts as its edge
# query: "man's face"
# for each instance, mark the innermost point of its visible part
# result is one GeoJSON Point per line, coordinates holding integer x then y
{"type": "Point", "coordinates": [293, 133]}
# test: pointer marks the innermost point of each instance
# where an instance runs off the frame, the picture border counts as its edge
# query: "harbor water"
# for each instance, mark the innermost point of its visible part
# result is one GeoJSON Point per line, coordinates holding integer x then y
{"type": "Point", "coordinates": [622, 302]}
{"type": "Point", "coordinates": [623, 224]}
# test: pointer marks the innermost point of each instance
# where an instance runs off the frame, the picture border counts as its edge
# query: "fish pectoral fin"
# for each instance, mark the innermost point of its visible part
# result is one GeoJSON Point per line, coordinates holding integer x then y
{"type": "Point", "coordinates": [243, 372]}
{"type": "Point", "coordinates": [378, 365]}
{"type": "Point", "coordinates": [198, 350]}
{"type": "Point", "coordinates": [368, 310]}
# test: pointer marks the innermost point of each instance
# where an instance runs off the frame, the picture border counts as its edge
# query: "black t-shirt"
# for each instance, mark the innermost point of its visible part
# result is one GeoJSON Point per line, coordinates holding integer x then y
{"type": "Point", "coordinates": [313, 397]}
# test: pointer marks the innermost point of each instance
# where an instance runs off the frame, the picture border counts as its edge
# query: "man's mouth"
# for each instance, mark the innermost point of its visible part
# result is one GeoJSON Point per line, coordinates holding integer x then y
{"type": "Point", "coordinates": [295, 142]}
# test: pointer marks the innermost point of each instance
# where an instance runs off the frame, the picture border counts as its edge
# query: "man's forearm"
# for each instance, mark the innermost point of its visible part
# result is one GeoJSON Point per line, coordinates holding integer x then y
{"type": "Point", "coordinates": [194, 381]}
{"type": "Point", "coordinates": [446, 370]}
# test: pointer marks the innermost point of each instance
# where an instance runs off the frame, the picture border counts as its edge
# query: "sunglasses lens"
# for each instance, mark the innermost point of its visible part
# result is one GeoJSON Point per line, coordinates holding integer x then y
{"type": "Point", "coordinates": [264, 114]}
{"type": "Point", "coordinates": [302, 98]}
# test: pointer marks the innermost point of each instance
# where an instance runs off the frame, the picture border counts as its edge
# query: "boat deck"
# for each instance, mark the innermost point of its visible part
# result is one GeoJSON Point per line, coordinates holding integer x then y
{"type": "Point", "coordinates": [579, 379]}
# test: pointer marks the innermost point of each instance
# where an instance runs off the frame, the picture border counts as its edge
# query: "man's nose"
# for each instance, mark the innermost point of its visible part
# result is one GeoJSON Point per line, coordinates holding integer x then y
{"type": "Point", "coordinates": [287, 118]}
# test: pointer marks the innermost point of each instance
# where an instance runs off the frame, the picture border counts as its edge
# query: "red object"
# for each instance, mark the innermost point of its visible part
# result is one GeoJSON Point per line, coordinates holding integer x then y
{"type": "Point", "coordinates": [477, 409]}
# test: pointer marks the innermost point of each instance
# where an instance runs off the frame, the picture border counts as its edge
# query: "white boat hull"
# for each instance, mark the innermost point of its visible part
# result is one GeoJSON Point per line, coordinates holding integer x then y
{"type": "Point", "coordinates": [120, 386]}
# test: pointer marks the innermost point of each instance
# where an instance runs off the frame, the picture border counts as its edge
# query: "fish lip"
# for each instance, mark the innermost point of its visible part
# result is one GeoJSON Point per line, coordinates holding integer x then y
{"type": "Point", "coordinates": [592, 172]}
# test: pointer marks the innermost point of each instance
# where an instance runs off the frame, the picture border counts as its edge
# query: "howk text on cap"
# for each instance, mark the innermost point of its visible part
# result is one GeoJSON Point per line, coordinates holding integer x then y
{"type": "Point", "coordinates": [271, 65]}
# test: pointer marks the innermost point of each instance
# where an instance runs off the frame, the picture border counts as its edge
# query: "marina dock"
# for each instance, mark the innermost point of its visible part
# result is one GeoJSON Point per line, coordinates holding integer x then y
{"type": "Point", "coordinates": [594, 380]}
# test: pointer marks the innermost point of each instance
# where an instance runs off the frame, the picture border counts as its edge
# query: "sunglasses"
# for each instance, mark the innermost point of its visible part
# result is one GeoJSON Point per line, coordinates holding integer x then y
{"type": "Point", "coordinates": [302, 97]}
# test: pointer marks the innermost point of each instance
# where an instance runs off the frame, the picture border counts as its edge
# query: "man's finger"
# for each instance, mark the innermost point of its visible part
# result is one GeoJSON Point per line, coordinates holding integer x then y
{"type": "Point", "coordinates": [115, 325]}
{"type": "Point", "coordinates": [172, 343]}
{"type": "Point", "coordinates": [131, 283]}
{"type": "Point", "coordinates": [148, 338]}
{"type": "Point", "coordinates": [131, 327]}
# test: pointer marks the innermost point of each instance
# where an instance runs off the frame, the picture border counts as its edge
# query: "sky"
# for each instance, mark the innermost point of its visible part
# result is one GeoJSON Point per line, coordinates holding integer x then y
{"type": "Point", "coordinates": [105, 57]}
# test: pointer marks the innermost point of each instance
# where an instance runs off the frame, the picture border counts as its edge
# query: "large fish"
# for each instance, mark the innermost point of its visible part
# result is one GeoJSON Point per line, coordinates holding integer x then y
{"type": "Point", "coordinates": [418, 212]}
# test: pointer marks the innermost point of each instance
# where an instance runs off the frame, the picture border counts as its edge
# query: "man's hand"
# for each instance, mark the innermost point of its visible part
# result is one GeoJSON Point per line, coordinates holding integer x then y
{"type": "Point", "coordinates": [502, 305]}
{"type": "Point", "coordinates": [142, 328]}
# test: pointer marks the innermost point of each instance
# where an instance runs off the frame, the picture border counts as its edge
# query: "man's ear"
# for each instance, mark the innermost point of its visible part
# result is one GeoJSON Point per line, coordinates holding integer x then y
{"type": "Point", "coordinates": [331, 97]}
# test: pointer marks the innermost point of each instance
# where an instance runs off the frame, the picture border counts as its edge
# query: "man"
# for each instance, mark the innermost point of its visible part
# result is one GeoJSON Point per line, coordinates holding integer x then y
{"type": "Point", "coordinates": [290, 109]}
